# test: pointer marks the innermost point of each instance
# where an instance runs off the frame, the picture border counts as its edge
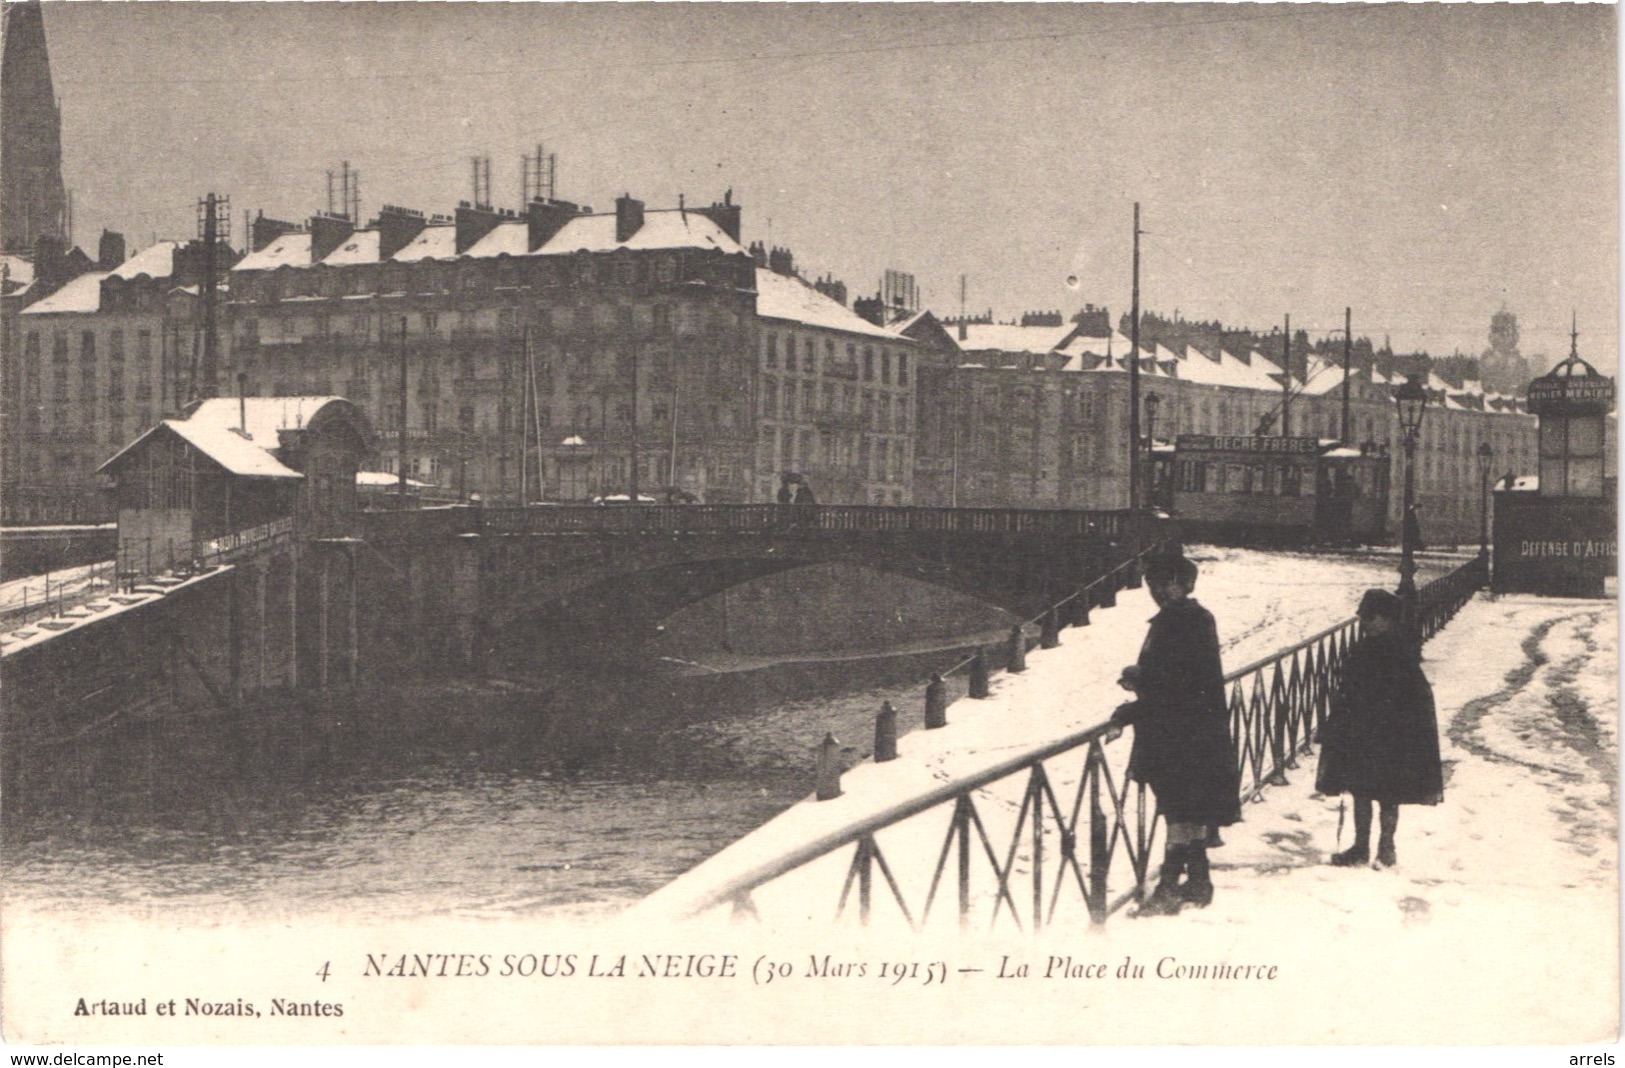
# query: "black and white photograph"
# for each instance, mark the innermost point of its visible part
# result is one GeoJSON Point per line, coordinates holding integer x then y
{"type": "Point", "coordinates": [784, 524]}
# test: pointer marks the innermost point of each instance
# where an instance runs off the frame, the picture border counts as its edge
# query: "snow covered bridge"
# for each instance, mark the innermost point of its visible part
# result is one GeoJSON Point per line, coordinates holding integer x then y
{"type": "Point", "coordinates": [1019, 813]}
{"type": "Point", "coordinates": [482, 570]}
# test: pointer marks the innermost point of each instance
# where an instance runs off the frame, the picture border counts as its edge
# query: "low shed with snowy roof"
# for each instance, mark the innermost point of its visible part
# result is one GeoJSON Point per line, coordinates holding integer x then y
{"type": "Point", "coordinates": [233, 464]}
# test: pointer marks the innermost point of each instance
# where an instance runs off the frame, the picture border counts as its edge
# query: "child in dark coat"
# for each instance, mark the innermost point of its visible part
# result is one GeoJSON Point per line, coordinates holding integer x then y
{"type": "Point", "coordinates": [1381, 739]}
{"type": "Point", "coordinates": [1182, 744]}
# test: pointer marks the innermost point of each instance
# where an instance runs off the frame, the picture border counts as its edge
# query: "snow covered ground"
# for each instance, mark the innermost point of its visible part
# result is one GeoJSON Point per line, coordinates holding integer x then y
{"type": "Point", "coordinates": [1500, 923]}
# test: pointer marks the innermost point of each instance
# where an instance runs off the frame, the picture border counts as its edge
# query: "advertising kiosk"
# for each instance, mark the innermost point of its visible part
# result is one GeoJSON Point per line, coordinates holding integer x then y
{"type": "Point", "coordinates": [1557, 534]}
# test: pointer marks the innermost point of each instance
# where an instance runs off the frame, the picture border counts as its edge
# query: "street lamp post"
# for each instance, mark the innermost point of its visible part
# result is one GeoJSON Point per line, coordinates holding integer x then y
{"type": "Point", "coordinates": [1486, 458]}
{"type": "Point", "coordinates": [1412, 400]}
{"type": "Point", "coordinates": [1152, 403]}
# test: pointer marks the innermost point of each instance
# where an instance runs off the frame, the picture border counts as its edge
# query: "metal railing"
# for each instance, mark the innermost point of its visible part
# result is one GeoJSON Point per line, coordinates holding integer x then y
{"type": "Point", "coordinates": [143, 557]}
{"type": "Point", "coordinates": [778, 518]}
{"type": "Point", "coordinates": [1100, 841]}
{"type": "Point", "coordinates": [138, 561]}
{"type": "Point", "coordinates": [1439, 601]}
{"type": "Point", "coordinates": [55, 592]}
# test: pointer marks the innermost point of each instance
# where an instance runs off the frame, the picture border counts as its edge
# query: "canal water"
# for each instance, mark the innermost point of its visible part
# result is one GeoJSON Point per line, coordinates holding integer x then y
{"type": "Point", "coordinates": [574, 794]}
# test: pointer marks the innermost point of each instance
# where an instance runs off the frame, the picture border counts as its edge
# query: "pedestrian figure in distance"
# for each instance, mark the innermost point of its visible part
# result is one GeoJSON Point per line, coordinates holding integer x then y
{"type": "Point", "coordinates": [1381, 738]}
{"type": "Point", "coordinates": [805, 504]}
{"type": "Point", "coordinates": [784, 490]}
{"type": "Point", "coordinates": [1182, 745]}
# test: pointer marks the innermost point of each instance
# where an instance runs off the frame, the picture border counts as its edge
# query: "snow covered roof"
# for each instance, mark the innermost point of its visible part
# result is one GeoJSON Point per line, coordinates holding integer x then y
{"type": "Point", "coordinates": [1227, 371]}
{"type": "Point", "coordinates": [18, 271]}
{"type": "Point", "coordinates": [361, 247]}
{"type": "Point", "coordinates": [83, 294]}
{"type": "Point", "coordinates": [154, 261]}
{"type": "Point", "coordinates": [433, 243]}
{"type": "Point", "coordinates": [1008, 337]}
{"type": "Point", "coordinates": [288, 250]}
{"type": "Point", "coordinates": [906, 320]}
{"type": "Point", "coordinates": [384, 479]}
{"type": "Point", "coordinates": [662, 228]}
{"type": "Point", "coordinates": [781, 297]}
{"type": "Point", "coordinates": [509, 239]}
{"type": "Point", "coordinates": [1085, 353]}
{"type": "Point", "coordinates": [1324, 377]}
{"type": "Point", "coordinates": [215, 429]}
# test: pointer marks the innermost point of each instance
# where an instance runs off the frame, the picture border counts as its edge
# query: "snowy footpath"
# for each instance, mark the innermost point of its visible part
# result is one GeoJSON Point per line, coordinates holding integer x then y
{"type": "Point", "coordinates": [1499, 924]}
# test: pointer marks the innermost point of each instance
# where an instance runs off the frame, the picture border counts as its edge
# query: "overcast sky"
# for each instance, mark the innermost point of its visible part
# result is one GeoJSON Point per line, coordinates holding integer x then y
{"type": "Point", "coordinates": [1424, 164]}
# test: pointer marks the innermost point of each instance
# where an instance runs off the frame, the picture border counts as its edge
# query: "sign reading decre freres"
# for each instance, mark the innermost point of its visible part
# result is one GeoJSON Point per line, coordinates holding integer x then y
{"type": "Point", "coordinates": [1243, 443]}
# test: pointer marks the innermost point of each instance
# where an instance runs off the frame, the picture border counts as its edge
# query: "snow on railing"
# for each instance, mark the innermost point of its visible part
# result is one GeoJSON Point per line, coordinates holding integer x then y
{"type": "Point", "coordinates": [1102, 842]}
{"type": "Point", "coordinates": [166, 563]}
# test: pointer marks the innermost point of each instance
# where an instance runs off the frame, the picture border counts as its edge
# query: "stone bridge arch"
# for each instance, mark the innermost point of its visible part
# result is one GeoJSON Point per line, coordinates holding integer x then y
{"type": "Point", "coordinates": [483, 571]}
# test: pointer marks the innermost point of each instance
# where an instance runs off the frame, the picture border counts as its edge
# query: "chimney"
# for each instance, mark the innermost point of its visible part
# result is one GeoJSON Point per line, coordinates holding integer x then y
{"type": "Point", "coordinates": [50, 262]}
{"type": "Point", "coordinates": [110, 253]}
{"type": "Point", "coordinates": [780, 261]}
{"type": "Point", "coordinates": [327, 233]}
{"type": "Point", "coordinates": [964, 329]}
{"type": "Point", "coordinates": [473, 223]}
{"type": "Point", "coordinates": [870, 309]}
{"type": "Point", "coordinates": [265, 230]}
{"type": "Point", "coordinates": [628, 217]}
{"type": "Point", "coordinates": [758, 253]}
{"type": "Point", "coordinates": [725, 215]}
{"type": "Point", "coordinates": [396, 228]}
{"type": "Point", "coordinates": [547, 218]}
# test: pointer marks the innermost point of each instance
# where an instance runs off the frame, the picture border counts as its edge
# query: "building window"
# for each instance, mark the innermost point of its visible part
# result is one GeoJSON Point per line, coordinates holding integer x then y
{"type": "Point", "coordinates": [87, 346]}
{"type": "Point", "coordinates": [808, 361]}
{"type": "Point", "coordinates": [885, 367]}
{"type": "Point", "coordinates": [771, 353]}
{"type": "Point", "coordinates": [902, 368]}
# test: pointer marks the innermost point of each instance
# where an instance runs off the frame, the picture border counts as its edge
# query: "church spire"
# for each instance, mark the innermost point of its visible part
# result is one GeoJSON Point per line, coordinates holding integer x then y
{"type": "Point", "coordinates": [33, 202]}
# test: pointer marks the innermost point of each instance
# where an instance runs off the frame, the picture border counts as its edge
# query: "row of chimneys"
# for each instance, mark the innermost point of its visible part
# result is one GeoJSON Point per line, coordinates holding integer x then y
{"type": "Point", "coordinates": [776, 259]}
{"type": "Point", "coordinates": [397, 226]}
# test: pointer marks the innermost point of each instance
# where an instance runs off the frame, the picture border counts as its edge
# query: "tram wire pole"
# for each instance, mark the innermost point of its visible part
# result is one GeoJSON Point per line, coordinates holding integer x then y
{"type": "Point", "coordinates": [1134, 390]}
{"type": "Point", "coordinates": [1348, 343]}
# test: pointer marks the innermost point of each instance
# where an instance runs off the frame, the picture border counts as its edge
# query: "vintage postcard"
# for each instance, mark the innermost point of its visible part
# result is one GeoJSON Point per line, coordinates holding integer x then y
{"type": "Point", "coordinates": [824, 525]}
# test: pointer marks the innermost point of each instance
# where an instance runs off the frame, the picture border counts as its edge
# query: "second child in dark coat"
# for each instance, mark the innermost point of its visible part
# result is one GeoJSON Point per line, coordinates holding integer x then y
{"type": "Point", "coordinates": [1381, 739]}
{"type": "Point", "coordinates": [1182, 744]}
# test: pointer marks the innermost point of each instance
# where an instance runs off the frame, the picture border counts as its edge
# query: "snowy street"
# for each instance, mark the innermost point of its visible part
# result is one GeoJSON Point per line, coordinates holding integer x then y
{"type": "Point", "coordinates": [1506, 892]}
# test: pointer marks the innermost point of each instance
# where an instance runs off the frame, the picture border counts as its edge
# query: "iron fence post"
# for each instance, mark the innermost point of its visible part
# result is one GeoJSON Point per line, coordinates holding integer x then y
{"type": "Point", "coordinates": [1099, 858]}
{"type": "Point", "coordinates": [962, 824]}
{"type": "Point", "coordinates": [1035, 786]}
{"type": "Point", "coordinates": [1018, 650]}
